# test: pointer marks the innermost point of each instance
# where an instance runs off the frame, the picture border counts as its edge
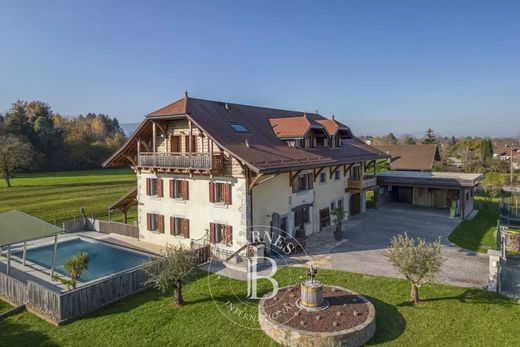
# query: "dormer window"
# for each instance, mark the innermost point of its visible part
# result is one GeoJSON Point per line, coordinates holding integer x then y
{"type": "Point", "coordinates": [239, 128]}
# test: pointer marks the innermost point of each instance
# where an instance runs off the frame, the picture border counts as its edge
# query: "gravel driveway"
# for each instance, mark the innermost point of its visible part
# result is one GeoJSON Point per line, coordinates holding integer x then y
{"type": "Point", "coordinates": [369, 234]}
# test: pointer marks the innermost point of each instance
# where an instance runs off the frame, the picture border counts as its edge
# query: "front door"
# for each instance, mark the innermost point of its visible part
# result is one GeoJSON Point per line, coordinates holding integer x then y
{"type": "Point", "coordinates": [355, 204]}
{"type": "Point", "coordinates": [324, 218]}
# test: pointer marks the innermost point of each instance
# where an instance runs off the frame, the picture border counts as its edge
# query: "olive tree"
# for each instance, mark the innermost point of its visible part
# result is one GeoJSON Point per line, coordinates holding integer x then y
{"type": "Point", "coordinates": [418, 261]}
{"type": "Point", "coordinates": [15, 154]}
{"type": "Point", "coordinates": [176, 269]}
{"type": "Point", "coordinates": [74, 267]}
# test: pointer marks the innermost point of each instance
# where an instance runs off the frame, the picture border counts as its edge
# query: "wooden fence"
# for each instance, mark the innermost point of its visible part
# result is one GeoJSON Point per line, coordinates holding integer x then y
{"type": "Point", "coordinates": [13, 290]}
{"type": "Point", "coordinates": [119, 228]}
{"type": "Point", "coordinates": [66, 306]}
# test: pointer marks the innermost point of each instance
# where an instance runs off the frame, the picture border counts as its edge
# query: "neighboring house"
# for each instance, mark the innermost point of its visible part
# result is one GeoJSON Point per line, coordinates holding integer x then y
{"type": "Point", "coordinates": [209, 170]}
{"type": "Point", "coordinates": [411, 157]}
{"type": "Point", "coordinates": [506, 156]}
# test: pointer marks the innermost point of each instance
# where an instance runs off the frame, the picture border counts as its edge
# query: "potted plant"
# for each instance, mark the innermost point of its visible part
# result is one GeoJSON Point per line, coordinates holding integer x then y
{"type": "Point", "coordinates": [338, 215]}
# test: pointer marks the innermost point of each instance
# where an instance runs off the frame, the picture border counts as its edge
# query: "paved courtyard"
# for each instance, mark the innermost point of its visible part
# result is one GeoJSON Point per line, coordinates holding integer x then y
{"type": "Point", "coordinates": [368, 236]}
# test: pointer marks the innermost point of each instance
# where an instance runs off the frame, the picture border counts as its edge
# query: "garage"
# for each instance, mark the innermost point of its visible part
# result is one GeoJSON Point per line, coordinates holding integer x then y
{"type": "Point", "coordinates": [451, 191]}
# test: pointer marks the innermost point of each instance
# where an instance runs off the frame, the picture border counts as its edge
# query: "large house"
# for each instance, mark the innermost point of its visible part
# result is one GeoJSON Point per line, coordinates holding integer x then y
{"type": "Point", "coordinates": [214, 170]}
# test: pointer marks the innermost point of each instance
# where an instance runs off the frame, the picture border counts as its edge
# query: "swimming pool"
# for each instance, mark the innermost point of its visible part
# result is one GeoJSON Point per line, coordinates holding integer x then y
{"type": "Point", "coordinates": [104, 259]}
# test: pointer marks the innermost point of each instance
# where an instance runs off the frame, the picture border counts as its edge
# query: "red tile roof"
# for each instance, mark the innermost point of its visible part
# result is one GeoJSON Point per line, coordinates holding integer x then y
{"type": "Point", "coordinates": [265, 151]}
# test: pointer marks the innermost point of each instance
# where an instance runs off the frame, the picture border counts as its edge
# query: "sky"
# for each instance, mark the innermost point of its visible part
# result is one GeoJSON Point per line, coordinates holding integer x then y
{"type": "Point", "coordinates": [378, 66]}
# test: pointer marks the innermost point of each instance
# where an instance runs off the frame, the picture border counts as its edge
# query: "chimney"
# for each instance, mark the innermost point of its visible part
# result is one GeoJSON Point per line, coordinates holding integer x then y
{"type": "Point", "coordinates": [226, 106]}
{"type": "Point", "coordinates": [247, 142]}
{"type": "Point", "coordinates": [333, 118]}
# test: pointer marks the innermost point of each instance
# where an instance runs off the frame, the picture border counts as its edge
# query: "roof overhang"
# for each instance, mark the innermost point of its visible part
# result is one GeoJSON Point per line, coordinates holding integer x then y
{"type": "Point", "coordinates": [428, 179]}
{"type": "Point", "coordinates": [17, 227]}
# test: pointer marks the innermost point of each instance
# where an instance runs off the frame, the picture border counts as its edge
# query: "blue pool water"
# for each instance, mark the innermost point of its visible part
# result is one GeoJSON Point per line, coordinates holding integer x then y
{"type": "Point", "coordinates": [104, 259]}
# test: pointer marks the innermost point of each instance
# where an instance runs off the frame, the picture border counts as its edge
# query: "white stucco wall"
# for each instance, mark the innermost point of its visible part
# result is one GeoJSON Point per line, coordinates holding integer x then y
{"type": "Point", "coordinates": [197, 209]}
{"type": "Point", "coordinates": [275, 195]}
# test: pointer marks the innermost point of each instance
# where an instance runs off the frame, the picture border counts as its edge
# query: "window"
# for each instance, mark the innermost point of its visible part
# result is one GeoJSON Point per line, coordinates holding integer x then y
{"type": "Point", "coordinates": [337, 175]}
{"type": "Point", "coordinates": [340, 204]}
{"type": "Point", "coordinates": [155, 222]}
{"type": "Point", "coordinates": [239, 128]}
{"type": "Point", "coordinates": [283, 224]}
{"type": "Point", "coordinates": [179, 189]}
{"type": "Point", "coordinates": [221, 233]}
{"type": "Point", "coordinates": [303, 182]}
{"type": "Point", "coordinates": [355, 173]}
{"type": "Point", "coordinates": [220, 193]}
{"type": "Point", "coordinates": [332, 206]}
{"type": "Point", "coordinates": [154, 187]}
{"type": "Point", "coordinates": [180, 227]}
{"type": "Point", "coordinates": [323, 177]}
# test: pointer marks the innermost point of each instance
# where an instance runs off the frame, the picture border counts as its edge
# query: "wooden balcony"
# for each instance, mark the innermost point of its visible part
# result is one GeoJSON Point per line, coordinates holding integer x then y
{"type": "Point", "coordinates": [365, 182]}
{"type": "Point", "coordinates": [188, 161]}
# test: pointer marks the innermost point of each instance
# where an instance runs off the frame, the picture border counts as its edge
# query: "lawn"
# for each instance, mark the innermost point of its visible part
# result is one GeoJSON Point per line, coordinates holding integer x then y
{"type": "Point", "coordinates": [4, 306]}
{"type": "Point", "coordinates": [57, 196]}
{"type": "Point", "coordinates": [477, 234]}
{"type": "Point", "coordinates": [447, 316]}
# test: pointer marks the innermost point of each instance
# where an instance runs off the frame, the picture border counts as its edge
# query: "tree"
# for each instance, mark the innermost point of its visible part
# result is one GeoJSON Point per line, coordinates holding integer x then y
{"type": "Point", "coordinates": [391, 139]}
{"type": "Point", "coordinates": [15, 154]}
{"type": "Point", "coordinates": [430, 137]}
{"type": "Point", "coordinates": [408, 140]}
{"type": "Point", "coordinates": [419, 262]}
{"type": "Point", "coordinates": [74, 267]}
{"type": "Point", "coordinates": [338, 215]}
{"type": "Point", "coordinates": [174, 271]}
{"type": "Point", "coordinates": [486, 150]}
{"type": "Point", "coordinates": [452, 142]}
{"type": "Point", "coordinates": [17, 120]}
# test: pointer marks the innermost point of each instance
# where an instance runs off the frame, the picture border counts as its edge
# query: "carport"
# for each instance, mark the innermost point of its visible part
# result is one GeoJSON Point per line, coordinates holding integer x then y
{"type": "Point", "coordinates": [452, 191]}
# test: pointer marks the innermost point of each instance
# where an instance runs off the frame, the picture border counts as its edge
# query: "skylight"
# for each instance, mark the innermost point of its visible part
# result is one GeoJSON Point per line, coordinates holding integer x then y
{"type": "Point", "coordinates": [239, 128]}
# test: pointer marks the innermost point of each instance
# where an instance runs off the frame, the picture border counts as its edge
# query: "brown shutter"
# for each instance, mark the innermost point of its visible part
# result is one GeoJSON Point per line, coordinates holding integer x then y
{"type": "Point", "coordinates": [227, 193]}
{"type": "Point", "coordinates": [211, 192]}
{"type": "Point", "coordinates": [211, 233]}
{"type": "Point", "coordinates": [160, 187]}
{"type": "Point", "coordinates": [194, 144]}
{"type": "Point", "coordinates": [229, 235]}
{"type": "Point", "coordinates": [172, 225]}
{"type": "Point", "coordinates": [310, 178]}
{"type": "Point", "coordinates": [175, 143]}
{"type": "Point", "coordinates": [186, 143]}
{"type": "Point", "coordinates": [148, 221]}
{"type": "Point", "coordinates": [148, 186]}
{"type": "Point", "coordinates": [185, 190]}
{"type": "Point", "coordinates": [160, 223]}
{"type": "Point", "coordinates": [185, 226]}
{"type": "Point", "coordinates": [172, 182]}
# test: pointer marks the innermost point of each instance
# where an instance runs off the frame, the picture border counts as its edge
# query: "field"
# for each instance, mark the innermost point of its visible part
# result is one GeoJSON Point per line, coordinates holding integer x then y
{"type": "Point", "coordinates": [57, 196]}
{"type": "Point", "coordinates": [448, 316]}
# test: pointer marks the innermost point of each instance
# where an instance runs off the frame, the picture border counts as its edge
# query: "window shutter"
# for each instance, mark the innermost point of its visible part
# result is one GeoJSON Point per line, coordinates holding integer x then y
{"type": "Point", "coordinates": [194, 143]}
{"type": "Point", "coordinates": [310, 180]}
{"type": "Point", "coordinates": [227, 191]}
{"type": "Point", "coordinates": [185, 227]}
{"type": "Point", "coordinates": [148, 221]}
{"type": "Point", "coordinates": [211, 192]}
{"type": "Point", "coordinates": [172, 225]}
{"type": "Point", "coordinates": [229, 235]}
{"type": "Point", "coordinates": [172, 182]}
{"type": "Point", "coordinates": [160, 223]}
{"type": "Point", "coordinates": [175, 143]}
{"type": "Point", "coordinates": [186, 143]}
{"type": "Point", "coordinates": [211, 233]}
{"type": "Point", "coordinates": [160, 187]}
{"type": "Point", "coordinates": [148, 186]}
{"type": "Point", "coordinates": [185, 190]}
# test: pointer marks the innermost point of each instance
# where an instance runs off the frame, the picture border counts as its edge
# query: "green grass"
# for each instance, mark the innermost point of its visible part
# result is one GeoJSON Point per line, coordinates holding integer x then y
{"type": "Point", "coordinates": [57, 196]}
{"type": "Point", "coordinates": [476, 234]}
{"type": "Point", "coordinates": [370, 199]}
{"type": "Point", "coordinates": [448, 315]}
{"type": "Point", "coordinates": [4, 306]}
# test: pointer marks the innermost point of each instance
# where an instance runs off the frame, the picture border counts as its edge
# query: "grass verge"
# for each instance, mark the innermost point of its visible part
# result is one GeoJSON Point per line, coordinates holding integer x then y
{"type": "Point", "coordinates": [477, 234]}
{"type": "Point", "coordinates": [448, 316]}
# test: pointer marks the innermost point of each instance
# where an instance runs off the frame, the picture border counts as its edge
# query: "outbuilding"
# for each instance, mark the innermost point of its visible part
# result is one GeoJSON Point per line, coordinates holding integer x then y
{"type": "Point", "coordinates": [452, 191]}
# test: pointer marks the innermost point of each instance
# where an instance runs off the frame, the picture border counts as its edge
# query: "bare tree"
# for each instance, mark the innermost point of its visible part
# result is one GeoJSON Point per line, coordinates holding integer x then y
{"type": "Point", "coordinates": [15, 154]}
{"type": "Point", "coordinates": [419, 262]}
{"type": "Point", "coordinates": [174, 271]}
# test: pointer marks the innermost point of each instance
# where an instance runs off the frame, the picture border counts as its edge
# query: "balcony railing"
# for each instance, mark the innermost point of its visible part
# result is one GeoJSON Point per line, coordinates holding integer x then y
{"type": "Point", "coordinates": [363, 183]}
{"type": "Point", "coordinates": [181, 160]}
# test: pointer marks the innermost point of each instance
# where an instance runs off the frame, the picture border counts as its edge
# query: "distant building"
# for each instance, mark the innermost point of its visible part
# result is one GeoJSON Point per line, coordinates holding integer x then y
{"type": "Point", "coordinates": [411, 157]}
